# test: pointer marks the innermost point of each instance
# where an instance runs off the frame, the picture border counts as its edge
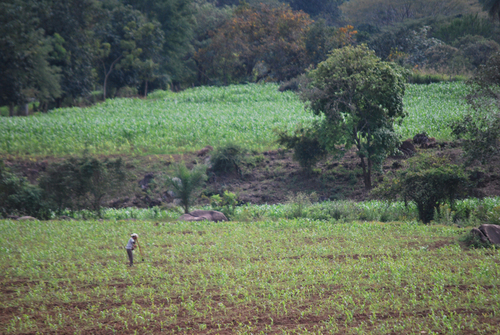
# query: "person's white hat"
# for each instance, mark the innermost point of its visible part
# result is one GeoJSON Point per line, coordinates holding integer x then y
{"type": "Point", "coordinates": [134, 235]}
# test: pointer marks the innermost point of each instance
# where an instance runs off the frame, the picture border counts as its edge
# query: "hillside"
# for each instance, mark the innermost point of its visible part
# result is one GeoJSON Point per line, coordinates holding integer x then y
{"type": "Point", "coordinates": [150, 135]}
{"type": "Point", "coordinates": [266, 177]}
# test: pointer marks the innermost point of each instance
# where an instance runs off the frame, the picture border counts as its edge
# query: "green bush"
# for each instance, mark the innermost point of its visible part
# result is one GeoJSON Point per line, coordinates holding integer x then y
{"type": "Point", "coordinates": [306, 145]}
{"type": "Point", "coordinates": [477, 49]}
{"type": "Point", "coordinates": [298, 203]}
{"type": "Point", "coordinates": [225, 204]}
{"type": "Point", "coordinates": [82, 183]}
{"type": "Point", "coordinates": [449, 31]}
{"type": "Point", "coordinates": [227, 158]}
{"type": "Point", "coordinates": [472, 241]}
{"type": "Point", "coordinates": [429, 182]}
{"type": "Point", "coordinates": [126, 92]}
{"type": "Point", "coordinates": [19, 197]}
{"type": "Point", "coordinates": [480, 129]}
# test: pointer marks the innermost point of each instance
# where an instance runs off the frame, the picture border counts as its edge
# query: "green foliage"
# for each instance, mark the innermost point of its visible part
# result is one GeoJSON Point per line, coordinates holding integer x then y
{"type": "Point", "coordinates": [429, 181]}
{"type": "Point", "coordinates": [327, 10]}
{"type": "Point", "coordinates": [128, 47]}
{"type": "Point", "coordinates": [472, 24]}
{"type": "Point", "coordinates": [477, 49]}
{"type": "Point", "coordinates": [299, 202]}
{"type": "Point", "coordinates": [185, 182]}
{"type": "Point", "coordinates": [307, 147]}
{"type": "Point", "coordinates": [175, 123]}
{"type": "Point", "coordinates": [19, 197]}
{"type": "Point", "coordinates": [225, 204]}
{"type": "Point", "coordinates": [472, 241]}
{"type": "Point", "coordinates": [82, 183]}
{"type": "Point", "coordinates": [169, 123]}
{"type": "Point", "coordinates": [259, 43]}
{"type": "Point", "coordinates": [360, 97]}
{"type": "Point", "coordinates": [480, 136]}
{"type": "Point", "coordinates": [176, 20]}
{"type": "Point", "coordinates": [359, 273]}
{"type": "Point", "coordinates": [227, 158]}
{"type": "Point", "coordinates": [425, 78]}
{"type": "Point", "coordinates": [24, 56]}
{"type": "Point", "coordinates": [390, 12]}
{"type": "Point", "coordinates": [69, 25]}
{"type": "Point", "coordinates": [480, 129]}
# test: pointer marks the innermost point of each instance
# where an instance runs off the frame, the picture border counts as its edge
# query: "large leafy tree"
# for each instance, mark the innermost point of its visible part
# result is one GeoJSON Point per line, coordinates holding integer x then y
{"type": "Point", "coordinates": [69, 24]}
{"type": "Point", "coordinates": [262, 42]}
{"type": "Point", "coordinates": [176, 18]}
{"type": "Point", "coordinates": [24, 56]}
{"type": "Point", "coordinates": [388, 12]}
{"type": "Point", "coordinates": [360, 97]}
{"type": "Point", "coordinates": [325, 9]}
{"type": "Point", "coordinates": [128, 47]}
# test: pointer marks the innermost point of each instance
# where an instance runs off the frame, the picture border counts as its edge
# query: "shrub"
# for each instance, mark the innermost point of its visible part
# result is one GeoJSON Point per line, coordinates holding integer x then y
{"type": "Point", "coordinates": [18, 196]}
{"type": "Point", "coordinates": [82, 183]}
{"type": "Point", "coordinates": [299, 202]}
{"type": "Point", "coordinates": [225, 204]}
{"type": "Point", "coordinates": [227, 158]}
{"type": "Point", "coordinates": [473, 241]}
{"type": "Point", "coordinates": [306, 145]}
{"type": "Point", "coordinates": [480, 129]}
{"type": "Point", "coordinates": [477, 49]}
{"type": "Point", "coordinates": [185, 182]}
{"type": "Point", "coordinates": [429, 182]}
{"type": "Point", "coordinates": [126, 92]}
{"type": "Point", "coordinates": [458, 27]}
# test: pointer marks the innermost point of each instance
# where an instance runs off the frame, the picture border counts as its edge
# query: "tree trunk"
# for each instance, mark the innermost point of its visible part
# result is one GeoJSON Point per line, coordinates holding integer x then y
{"type": "Point", "coordinates": [146, 89]}
{"type": "Point", "coordinates": [11, 110]}
{"type": "Point", "coordinates": [104, 87]}
{"type": "Point", "coordinates": [368, 177]}
{"type": "Point", "coordinates": [106, 75]}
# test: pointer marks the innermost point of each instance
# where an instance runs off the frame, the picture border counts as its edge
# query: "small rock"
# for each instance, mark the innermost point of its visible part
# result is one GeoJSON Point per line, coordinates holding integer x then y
{"type": "Point", "coordinates": [203, 215]}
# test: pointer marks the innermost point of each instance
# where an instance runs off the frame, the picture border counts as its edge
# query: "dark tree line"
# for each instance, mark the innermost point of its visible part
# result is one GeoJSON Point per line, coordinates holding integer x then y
{"type": "Point", "coordinates": [56, 52]}
{"type": "Point", "coordinates": [75, 52]}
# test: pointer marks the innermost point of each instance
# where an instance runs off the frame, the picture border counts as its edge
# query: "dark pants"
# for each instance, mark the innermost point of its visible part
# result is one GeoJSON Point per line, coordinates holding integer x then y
{"type": "Point", "coordinates": [130, 256]}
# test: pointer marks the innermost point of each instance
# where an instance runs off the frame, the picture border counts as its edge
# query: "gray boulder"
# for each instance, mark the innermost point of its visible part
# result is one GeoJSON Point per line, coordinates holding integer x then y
{"type": "Point", "coordinates": [488, 233]}
{"type": "Point", "coordinates": [203, 215]}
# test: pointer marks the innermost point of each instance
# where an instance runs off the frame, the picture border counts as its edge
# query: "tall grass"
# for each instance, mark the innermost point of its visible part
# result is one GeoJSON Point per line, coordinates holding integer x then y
{"type": "Point", "coordinates": [466, 212]}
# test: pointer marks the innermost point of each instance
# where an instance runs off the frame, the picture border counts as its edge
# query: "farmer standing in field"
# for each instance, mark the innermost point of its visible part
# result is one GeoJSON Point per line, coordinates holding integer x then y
{"type": "Point", "coordinates": [130, 247]}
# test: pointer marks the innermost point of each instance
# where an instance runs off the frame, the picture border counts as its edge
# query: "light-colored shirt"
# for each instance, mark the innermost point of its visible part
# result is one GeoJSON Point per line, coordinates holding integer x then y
{"type": "Point", "coordinates": [130, 244]}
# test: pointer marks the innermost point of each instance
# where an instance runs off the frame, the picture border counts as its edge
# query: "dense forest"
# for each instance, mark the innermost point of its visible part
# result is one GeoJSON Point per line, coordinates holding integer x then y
{"type": "Point", "coordinates": [64, 53]}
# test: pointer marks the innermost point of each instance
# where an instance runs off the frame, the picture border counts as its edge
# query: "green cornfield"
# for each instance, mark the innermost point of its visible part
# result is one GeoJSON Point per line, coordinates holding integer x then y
{"type": "Point", "coordinates": [172, 123]}
{"type": "Point", "coordinates": [271, 277]}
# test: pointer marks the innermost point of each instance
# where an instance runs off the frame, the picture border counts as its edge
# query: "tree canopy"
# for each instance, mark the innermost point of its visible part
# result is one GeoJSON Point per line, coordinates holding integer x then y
{"type": "Point", "coordinates": [360, 97]}
{"type": "Point", "coordinates": [389, 12]}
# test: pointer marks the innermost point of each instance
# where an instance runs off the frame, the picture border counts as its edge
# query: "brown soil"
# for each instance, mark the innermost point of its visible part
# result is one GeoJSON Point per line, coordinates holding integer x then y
{"type": "Point", "coordinates": [268, 177]}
